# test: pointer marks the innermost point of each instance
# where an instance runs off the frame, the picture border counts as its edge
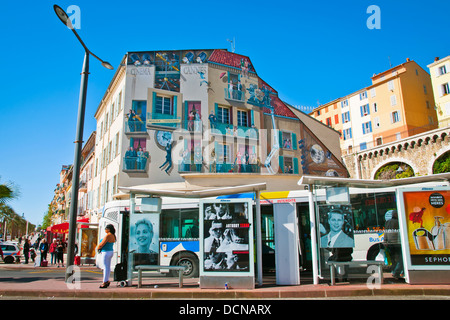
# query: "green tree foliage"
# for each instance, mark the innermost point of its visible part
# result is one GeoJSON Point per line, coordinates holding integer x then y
{"type": "Point", "coordinates": [391, 171]}
{"type": "Point", "coordinates": [442, 164]}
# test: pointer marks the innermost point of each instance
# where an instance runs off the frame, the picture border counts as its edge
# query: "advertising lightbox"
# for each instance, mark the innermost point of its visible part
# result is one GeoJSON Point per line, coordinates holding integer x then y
{"type": "Point", "coordinates": [424, 215]}
{"type": "Point", "coordinates": [226, 243]}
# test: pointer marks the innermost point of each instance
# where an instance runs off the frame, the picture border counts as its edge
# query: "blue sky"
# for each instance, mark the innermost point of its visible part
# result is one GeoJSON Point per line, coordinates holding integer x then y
{"type": "Point", "coordinates": [310, 52]}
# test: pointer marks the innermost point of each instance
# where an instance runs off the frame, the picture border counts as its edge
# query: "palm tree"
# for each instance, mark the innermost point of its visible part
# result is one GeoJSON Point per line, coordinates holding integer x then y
{"type": "Point", "coordinates": [8, 191]}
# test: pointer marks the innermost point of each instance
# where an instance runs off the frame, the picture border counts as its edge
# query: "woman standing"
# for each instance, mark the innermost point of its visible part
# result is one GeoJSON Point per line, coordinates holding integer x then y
{"type": "Point", "coordinates": [43, 247]}
{"type": "Point", "coordinates": [53, 252]}
{"type": "Point", "coordinates": [106, 248]}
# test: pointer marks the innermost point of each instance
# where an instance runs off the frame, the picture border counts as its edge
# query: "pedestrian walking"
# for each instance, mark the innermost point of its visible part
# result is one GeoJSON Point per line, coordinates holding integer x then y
{"type": "Point", "coordinates": [26, 250]}
{"type": "Point", "coordinates": [43, 247]}
{"type": "Point", "coordinates": [106, 248]}
{"type": "Point", "coordinates": [52, 251]}
{"type": "Point", "coordinates": [60, 254]}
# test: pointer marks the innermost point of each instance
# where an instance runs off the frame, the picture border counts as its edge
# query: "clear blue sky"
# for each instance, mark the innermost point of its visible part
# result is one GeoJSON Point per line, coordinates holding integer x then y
{"type": "Point", "coordinates": [310, 51]}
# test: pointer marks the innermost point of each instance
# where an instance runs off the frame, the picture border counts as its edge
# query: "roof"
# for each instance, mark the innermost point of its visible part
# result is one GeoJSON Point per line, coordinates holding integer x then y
{"type": "Point", "coordinates": [183, 190]}
{"type": "Point", "coordinates": [361, 183]}
{"type": "Point", "coordinates": [230, 59]}
{"type": "Point", "coordinates": [280, 108]}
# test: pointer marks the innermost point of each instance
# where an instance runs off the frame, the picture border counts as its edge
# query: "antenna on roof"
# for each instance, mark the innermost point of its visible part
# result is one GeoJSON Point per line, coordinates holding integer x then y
{"type": "Point", "coordinates": [390, 64]}
{"type": "Point", "coordinates": [233, 44]}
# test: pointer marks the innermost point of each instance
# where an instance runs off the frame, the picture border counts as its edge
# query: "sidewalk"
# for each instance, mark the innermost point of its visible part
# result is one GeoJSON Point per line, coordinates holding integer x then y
{"type": "Point", "coordinates": [167, 288]}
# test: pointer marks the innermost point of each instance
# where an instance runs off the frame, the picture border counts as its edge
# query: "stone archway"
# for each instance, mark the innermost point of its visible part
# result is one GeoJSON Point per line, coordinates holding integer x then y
{"type": "Point", "coordinates": [441, 163]}
{"type": "Point", "coordinates": [393, 170]}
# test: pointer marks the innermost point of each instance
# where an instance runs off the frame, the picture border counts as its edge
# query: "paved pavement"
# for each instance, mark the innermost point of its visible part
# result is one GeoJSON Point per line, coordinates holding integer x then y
{"type": "Point", "coordinates": [167, 288]}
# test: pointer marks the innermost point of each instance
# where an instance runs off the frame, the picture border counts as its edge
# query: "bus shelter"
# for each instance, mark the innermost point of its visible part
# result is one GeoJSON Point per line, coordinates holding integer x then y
{"type": "Point", "coordinates": [244, 276]}
{"type": "Point", "coordinates": [338, 199]}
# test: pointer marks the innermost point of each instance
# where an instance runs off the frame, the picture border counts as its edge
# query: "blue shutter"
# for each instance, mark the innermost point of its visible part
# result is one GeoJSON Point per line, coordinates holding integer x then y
{"type": "Point", "coordinates": [174, 108]}
{"type": "Point", "coordinates": [294, 141]}
{"type": "Point", "coordinates": [370, 126]}
{"type": "Point", "coordinates": [362, 111]}
{"type": "Point", "coordinates": [364, 129]}
{"type": "Point", "coordinates": [368, 108]}
{"type": "Point", "coordinates": [295, 165]}
{"type": "Point", "coordinates": [281, 163]}
{"type": "Point", "coordinates": [154, 105]}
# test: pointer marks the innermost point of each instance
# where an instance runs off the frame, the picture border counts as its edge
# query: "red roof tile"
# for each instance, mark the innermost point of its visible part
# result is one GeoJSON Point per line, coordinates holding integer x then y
{"type": "Point", "coordinates": [229, 59]}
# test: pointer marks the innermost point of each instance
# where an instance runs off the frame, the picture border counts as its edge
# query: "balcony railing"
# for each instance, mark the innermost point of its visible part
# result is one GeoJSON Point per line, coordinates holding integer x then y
{"type": "Point", "coordinates": [135, 126]}
{"type": "Point", "coordinates": [234, 168]}
{"type": "Point", "coordinates": [235, 131]}
{"type": "Point", "coordinates": [163, 120]}
{"type": "Point", "coordinates": [192, 125]}
{"type": "Point", "coordinates": [234, 95]}
{"type": "Point", "coordinates": [136, 164]}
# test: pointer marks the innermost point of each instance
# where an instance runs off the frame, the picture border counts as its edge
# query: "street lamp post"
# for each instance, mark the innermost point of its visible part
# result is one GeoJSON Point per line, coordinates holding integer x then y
{"type": "Point", "coordinates": [62, 15]}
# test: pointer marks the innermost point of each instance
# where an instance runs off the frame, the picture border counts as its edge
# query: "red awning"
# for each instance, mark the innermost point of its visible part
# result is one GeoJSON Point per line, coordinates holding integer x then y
{"type": "Point", "coordinates": [64, 227]}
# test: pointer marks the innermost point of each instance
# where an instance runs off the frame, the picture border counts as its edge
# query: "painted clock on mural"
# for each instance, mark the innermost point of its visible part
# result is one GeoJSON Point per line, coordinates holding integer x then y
{"type": "Point", "coordinates": [163, 138]}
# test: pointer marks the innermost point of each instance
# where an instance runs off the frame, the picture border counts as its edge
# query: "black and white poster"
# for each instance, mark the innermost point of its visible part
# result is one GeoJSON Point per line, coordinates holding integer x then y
{"type": "Point", "coordinates": [227, 237]}
{"type": "Point", "coordinates": [144, 239]}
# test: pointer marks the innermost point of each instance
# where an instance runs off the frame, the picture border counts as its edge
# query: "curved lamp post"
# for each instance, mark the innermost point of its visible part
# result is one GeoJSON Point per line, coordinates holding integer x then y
{"type": "Point", "coordinates": [62, 15]}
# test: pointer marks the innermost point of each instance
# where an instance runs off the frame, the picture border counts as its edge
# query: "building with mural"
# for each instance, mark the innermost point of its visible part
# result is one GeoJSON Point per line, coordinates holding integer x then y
{"type": "Point", "coordinates": [398, 104]}
{"type": "Point", "coordinates": [169, 116]}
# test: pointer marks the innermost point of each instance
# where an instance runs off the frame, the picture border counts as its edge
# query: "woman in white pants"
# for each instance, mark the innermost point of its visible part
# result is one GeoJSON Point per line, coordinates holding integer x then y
{"type": "Point", "coordinates": [106, 247]}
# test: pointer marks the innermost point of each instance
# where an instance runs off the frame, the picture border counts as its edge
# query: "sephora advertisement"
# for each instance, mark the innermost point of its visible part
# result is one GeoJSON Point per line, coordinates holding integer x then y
{"type": "Point", "coordinates": [426, 227]}
{"type": "Point", "coordinates": [226, 233]}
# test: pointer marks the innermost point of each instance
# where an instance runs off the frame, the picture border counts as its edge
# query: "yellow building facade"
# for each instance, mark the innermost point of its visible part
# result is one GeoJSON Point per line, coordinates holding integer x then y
{"type": "Point", "coordinates": [440, 78]}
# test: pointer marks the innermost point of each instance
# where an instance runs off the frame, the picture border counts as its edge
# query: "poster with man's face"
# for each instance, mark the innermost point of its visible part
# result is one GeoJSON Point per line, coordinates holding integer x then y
{"type": "Point", "coordinates": [336, 226]}
{"type": "Point", "coordinates": [226, 237]}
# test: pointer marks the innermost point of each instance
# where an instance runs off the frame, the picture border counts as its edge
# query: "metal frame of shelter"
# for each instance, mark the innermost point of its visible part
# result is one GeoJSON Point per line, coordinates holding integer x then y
{"type": "Point", "coordinates": [316, 182]}
{"type": "Point", "coordinates": [197, 192]}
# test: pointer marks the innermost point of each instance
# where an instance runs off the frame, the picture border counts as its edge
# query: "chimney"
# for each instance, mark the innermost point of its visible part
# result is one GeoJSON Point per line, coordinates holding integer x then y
{"type": "Point", "coordinates": [436, 59]}
{"type": "Point", "coordinates": [408, 60]}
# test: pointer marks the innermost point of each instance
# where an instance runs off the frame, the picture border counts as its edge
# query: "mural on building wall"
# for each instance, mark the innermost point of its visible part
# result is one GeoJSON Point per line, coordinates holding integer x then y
{"type": "Point", "coordinates": [316, 159]}
{"type": "Point", "coordinates": [165, 140]}
{"type": "Point", "coordinates": [167, 65]}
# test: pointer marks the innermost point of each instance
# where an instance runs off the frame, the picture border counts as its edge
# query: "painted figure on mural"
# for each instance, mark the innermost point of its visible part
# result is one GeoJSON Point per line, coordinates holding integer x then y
{"type": "Point", "coordinates": [212, 120]}
{"type": "Point", "coordinates": [168, 161]}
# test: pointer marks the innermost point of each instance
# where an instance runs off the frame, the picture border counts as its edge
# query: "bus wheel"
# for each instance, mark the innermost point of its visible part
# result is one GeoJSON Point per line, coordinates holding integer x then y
{"type": "Point", "coordinates": [373, 251]}
{"type": "Point", "coordinates": [188, 260]}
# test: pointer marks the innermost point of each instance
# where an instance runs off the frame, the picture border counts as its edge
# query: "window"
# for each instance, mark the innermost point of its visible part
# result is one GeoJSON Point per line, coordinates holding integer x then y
{"type": "Point", "coordinates": [344, 103]}
{"type": "Point", "coordinates": [347, 133]}
{"type": "Point", "coordinates": [163, 105]}
{"type": "Point", "coordinates": [395, 117]}
{"type": "Point", "coordinates": [375, 107]}
{"type": "Point", "coordinates": [379, 141]}
{"type": "Point", "coordinates": [223, 115]}
{"type": "Point", "coordinates": [346, 117]}
{"type": "Point", "coordinates": [242, 118]}
{"type": "Point", "coordinates": [391, 85]}
{"type": "Point", "coordinates": [367, 127]}
{"type": "Point", "coordinates": [393, 100]}
{"type": "Point", "coordinates": [376, 122]}
{"type": "Point", "coordinates": [445, 89]}
{"type": "Point", "coordinates": [373, 93]}
{"type": "Point", "coordinates": [365, 110]}
{"type": "Point", "coordinates": [425, 89]}
{"type": "Point", "coordinates": [363, 95]}
{"type": "Point", "coordinates": [363, 146]}
{"type": "Point", "coordinates": [442, 70]}
{"type": "Point", "coordinates": [328, 121]}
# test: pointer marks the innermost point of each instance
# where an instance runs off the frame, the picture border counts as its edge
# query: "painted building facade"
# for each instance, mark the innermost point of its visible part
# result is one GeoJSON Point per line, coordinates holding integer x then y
{"type": "Point", "coordinates": [168, 114]}
{"type": "Point", "coordinates": [440, 78]}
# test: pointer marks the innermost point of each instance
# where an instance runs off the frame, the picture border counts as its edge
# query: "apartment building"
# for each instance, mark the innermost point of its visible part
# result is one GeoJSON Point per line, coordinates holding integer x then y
{"type": "Point", "coordinates": [440, 78]}
{"type": "Point", "coordinates": [399, 103]}
{"type": "Point", "coordinates": [170, 115]}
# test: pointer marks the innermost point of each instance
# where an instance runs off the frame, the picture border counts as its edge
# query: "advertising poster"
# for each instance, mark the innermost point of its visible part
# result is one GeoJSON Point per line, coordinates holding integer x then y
{"type": "Point", "coordinates": [88, 242]}
{"type": "Point", "coordinates": [227, 240]}
{"type": "Point", "coordinates": [426, 220]}
{"type": "Point", "coordinates": [336, 226]}
{"type": "Point", "coordinates": [144, 239]}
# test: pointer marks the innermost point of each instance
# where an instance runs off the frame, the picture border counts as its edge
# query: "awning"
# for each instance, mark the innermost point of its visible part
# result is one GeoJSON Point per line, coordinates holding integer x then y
{"type": "Point", "coordinates": [64, 227]}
